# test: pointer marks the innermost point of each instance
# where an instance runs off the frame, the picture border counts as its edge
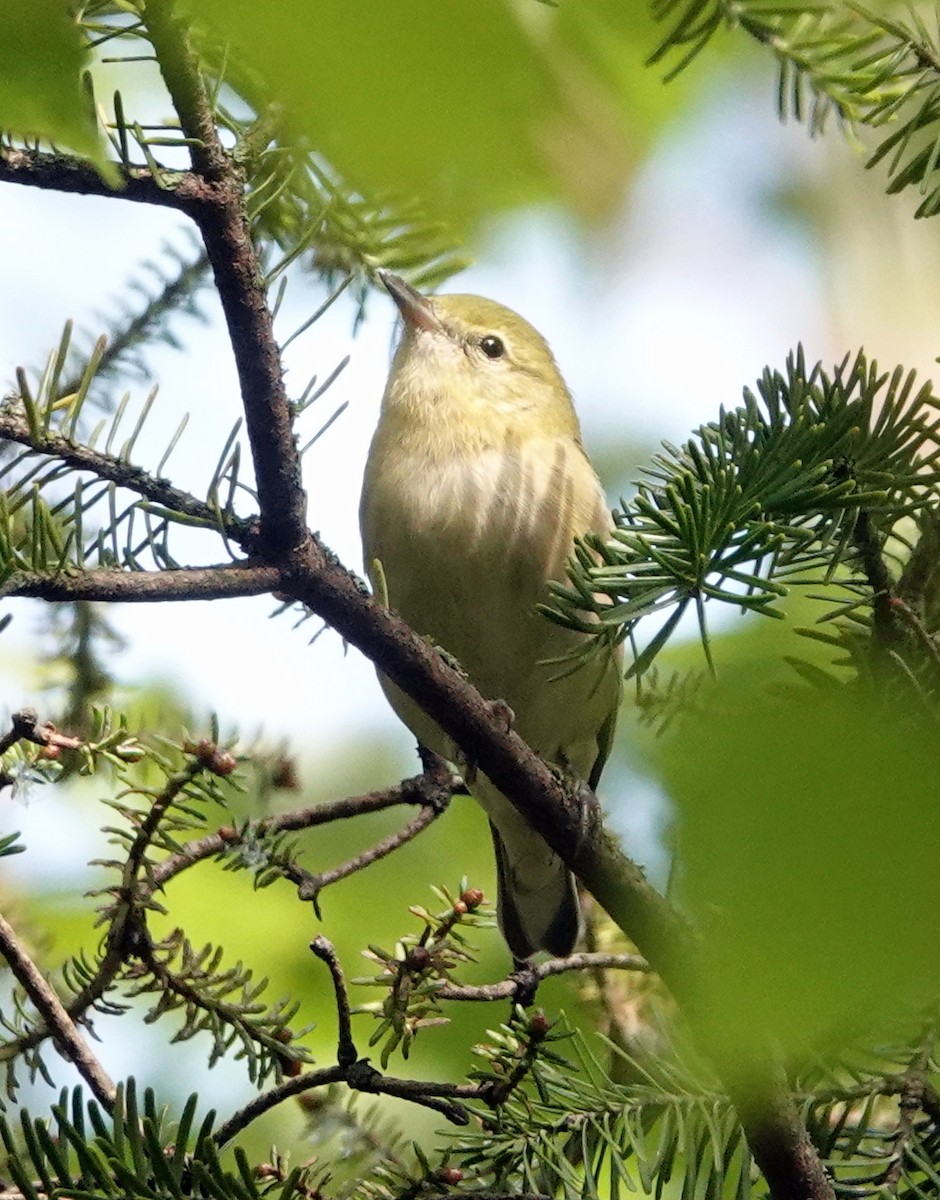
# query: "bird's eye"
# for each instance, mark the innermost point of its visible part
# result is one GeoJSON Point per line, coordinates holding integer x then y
{"type": "Point", "coordinates": [492, 346]}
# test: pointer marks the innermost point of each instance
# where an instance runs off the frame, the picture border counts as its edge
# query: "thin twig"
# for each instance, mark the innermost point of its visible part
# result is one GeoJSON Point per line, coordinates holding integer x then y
{"type": "Point", "coordinates": [25, 727]}
{"type": "Point", "coordinates": [346, 1052]}
{"type": "Point", "coordinates": [410, 791]}
{"type": "Point", "coordinates": [70, 1042]}
{"type": "Point", "coordinates": [259, 1105]}
{"type": "Point", "coordinates": [359, 1076]}
{"type": "Point", "coordinates": [310, 885]}
{"type": "Point", "coordinates": [508, 988]}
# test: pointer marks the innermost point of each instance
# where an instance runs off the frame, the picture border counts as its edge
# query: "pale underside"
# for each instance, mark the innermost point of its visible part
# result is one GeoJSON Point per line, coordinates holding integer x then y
{"type": "Point", "coordinates": [466, 549]}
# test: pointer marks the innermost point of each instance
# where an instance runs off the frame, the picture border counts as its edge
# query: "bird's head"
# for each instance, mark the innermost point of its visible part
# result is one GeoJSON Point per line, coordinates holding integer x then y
{"type": "Point", "coordinates": [468, 364]}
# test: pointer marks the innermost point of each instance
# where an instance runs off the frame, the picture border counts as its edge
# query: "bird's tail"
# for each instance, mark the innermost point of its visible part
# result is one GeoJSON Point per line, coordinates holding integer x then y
{"type": "Point", "coordinates": [537, 900]}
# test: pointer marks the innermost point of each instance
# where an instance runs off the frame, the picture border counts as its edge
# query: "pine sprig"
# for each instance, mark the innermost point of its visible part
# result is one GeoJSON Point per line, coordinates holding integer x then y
{"type": "Point", "coordinates": [223, 1002]}
{"type": "Point", "coordinates": [167, 289]}
{"type": "Point", "coordinates": [572, 1129]}
{"type": "Point", "coordinates": [839, 57]}
{"type": "Point", "coordinates": [138, 1153]}
{"type": "Point", "coordinates": [298, 203]}
{"type": "Point", "coordinates": [413, 974]}
{"type": "Point", "coordinates": [67, 505]}
{"type": "Point", "coordinates": [763, 499]}
{"type": "Point", "coordinates": [672, 1125]}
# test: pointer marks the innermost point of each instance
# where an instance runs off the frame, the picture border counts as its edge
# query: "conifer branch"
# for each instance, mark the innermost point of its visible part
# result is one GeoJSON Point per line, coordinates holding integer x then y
{"type": "Point", "coordinates": [418, 790]}
{"type": "Point", "coordinates": [24, 726]}
{"type": "Point", "coordinates": [569, 820]}
{"type": "Point", "coordinates": [346, 1052]}
{"type": "Point", "coordinates": [73, 1046]}
{"type": "Point", "coordinates": [60, 172]}
{"type": "Point", "coordinates": [509, 989]}
{"type": "Point", "coordinates": [310, 885]}
{"type": "Point", "coordinates": [879, 579]}
{"type": "Point", "coordinates": [221, 582]}
{"type": "Point", "coordinates": [239, 279]}
{"type": "Point", "coordinates": [14, 427]}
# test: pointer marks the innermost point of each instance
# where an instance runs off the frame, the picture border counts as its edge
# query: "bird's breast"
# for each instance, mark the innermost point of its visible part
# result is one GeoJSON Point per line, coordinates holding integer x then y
{"type": "Point", "coordinates": [467, 546]}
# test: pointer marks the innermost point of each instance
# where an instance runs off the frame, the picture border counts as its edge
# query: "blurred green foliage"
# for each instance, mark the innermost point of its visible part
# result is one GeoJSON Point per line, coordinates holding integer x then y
{"type": "Point", "coordinates": [42, 53]}
{"type": "Point", "coordinates": [808, 835]}
{"type": "Point", "coordinates": [482, 107]}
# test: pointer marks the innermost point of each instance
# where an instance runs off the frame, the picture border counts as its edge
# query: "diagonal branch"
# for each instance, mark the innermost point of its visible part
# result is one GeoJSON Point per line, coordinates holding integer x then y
{"type": "Point", "coordinates": [14, 427]}
{"type": "Point", "coordinates": [572, 825]}
{"type": "Point", "coordinates": [71, 1043]}
{"type": "Point", "coordinates": [310, 884]}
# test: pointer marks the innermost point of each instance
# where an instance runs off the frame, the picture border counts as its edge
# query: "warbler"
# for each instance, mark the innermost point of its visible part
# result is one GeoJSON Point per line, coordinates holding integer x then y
{"type": "Point", "coordinates": [475, 489]}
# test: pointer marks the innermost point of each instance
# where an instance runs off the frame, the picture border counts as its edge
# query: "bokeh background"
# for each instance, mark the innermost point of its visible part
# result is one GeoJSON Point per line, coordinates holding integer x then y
{"type": "Point", "coordinates": [697, 241]}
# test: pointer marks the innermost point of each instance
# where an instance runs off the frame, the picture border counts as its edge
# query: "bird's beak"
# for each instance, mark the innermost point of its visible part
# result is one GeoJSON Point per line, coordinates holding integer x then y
{"type": "Point", "coordinates": [416, 310]}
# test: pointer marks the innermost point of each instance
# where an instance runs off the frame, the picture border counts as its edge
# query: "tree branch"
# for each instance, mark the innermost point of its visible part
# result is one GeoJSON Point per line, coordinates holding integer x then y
{"type": "Point", "coordinates": [879, 580]}
{"type": "Point", "coordinates": [226, 232]}
{"type": "Point", "coordinates": [570, 823]}
{"type": "Point", "coordinates": [359, 1076]}
{"type": "Point", "coordinates": [310, 884]}
{"type": "Point", "coordinates": [346, 1052]}
{"type": "Point", "coordinates": [25, 727]}
{"type": "Point", "coordinates": [508, 988]}
{"type": "Point", "coordinates": [70, 1042]}
{"type": "Point", "coordinates": [418, 790]}
{"type": "Point", "coordinates": [62, 173]}
{"type": "Point", "coordinates": [221, 582]}
{"type": "Point", "coordinates": [15, 428]}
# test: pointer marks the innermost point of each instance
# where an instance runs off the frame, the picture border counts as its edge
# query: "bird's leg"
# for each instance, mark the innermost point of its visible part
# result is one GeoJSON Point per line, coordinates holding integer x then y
{"type": "Point", "coordinates": [579, 792]}
{"type": "Point", "coordinates": [438, 773]}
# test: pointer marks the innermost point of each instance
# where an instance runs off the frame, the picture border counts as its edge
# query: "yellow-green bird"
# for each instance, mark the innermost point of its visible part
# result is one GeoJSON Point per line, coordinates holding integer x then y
{"type": "Point", "coordinates": [476, 486]}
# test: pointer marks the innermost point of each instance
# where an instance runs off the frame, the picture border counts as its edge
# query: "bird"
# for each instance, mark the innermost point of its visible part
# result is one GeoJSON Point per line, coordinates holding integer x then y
{"type": "Point", "coordinates": [476, 486]}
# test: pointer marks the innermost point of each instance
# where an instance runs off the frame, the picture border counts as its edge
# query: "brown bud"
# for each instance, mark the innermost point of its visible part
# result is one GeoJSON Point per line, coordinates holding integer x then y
{"type": "Point", "coordinates": [539, 1025]}
{"type": "Point", "coordinates": [213, 757]}
{"type": "Point", "coordinates": [284, 775]}
{"type": "Point", "coordinates": [417, 959]}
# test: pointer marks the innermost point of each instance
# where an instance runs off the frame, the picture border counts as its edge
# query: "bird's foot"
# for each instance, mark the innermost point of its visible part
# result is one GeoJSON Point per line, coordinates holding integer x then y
{"type": "Point", "coordinates": [502, 714]}
{"type": "Point", "coordinates": [526, 979]}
